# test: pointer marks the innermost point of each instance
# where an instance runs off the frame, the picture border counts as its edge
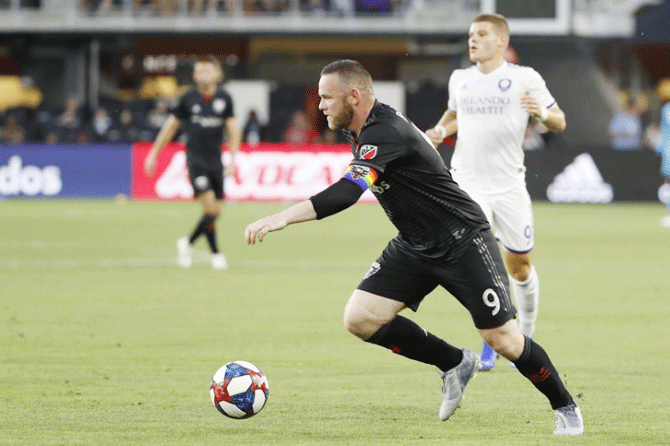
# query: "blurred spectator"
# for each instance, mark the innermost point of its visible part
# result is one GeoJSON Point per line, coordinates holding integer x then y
{"type": "Point", "coordinates": [341, 8]}
{"type": "Point", "coordinates": [71, 116]}
{"type": "Point", "coordinates": [70, 122]}
{"type": "Point", "coordinates": [376, 6]}
{"type": "Point", "coordinates": [253, 7]}
{"type": "Point", "coordinates": [299, 130]}
{"type": "Point", "coordinates": [253, 130]}
{"type": "Point", "coordinates": [663, 149]}
{"type": "Point", "coordinates": [157, 116]}
{"type": "Point", "coordinates": [314, 7]}
{"type": "Point", "coordinates": [83, 136]}
{"type": "Point", "coordinates": [130, 131]}
{"type": "Point", "coordinates": [652, 135]}
{"type": "Point", "coordinates": [94, 6]}
{"type": "Point", "coordinates": [195, 7]}
{"type": "Point", "coordinates": [12, 131]}
{"type": "Point", "coordinates": [166, 7]}
{"type": "Point", "coordinates": [6, 4]}
{"type": "Point", "coordinates": [213, 7]}
{"type": "Point", "coordinates": [101, 124]}
{"type": "Point", "coordinates": [40, 124]}
{"type": "Point", "coordinates": [51, 138]}
{"type": "Point", "coordinates": [625, 128]}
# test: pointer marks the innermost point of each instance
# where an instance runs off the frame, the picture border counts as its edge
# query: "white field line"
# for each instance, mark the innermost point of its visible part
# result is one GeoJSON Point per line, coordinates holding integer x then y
{"type": "Point", "coordinates": [14, 264]}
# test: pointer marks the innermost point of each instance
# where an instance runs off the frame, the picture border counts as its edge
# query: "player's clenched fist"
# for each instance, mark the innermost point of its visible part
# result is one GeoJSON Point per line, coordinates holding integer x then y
{"type": "Point", "coordinates": [436, 134]}
{"type": "Point", "coordinates": [530, 104]}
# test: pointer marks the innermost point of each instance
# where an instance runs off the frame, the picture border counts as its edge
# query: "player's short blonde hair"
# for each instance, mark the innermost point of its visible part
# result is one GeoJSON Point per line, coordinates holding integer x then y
{"type": "Point", "coordinates": [352, 73]}
{"type": "Point", "coordinates": [498, 21]}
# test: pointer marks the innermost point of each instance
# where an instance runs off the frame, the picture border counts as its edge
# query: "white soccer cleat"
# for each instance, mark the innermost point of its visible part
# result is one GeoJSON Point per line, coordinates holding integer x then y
{"type": "Point", "coordinates": [665, 221]}
{"type": "Point", "coordinates": [184, 256]}
{"type": "Point", "coordinates": [569, 420]}
{"type": "Point", "coordinates": [219, 261]}
{"type": "Point", "coordinates": [454, 382]}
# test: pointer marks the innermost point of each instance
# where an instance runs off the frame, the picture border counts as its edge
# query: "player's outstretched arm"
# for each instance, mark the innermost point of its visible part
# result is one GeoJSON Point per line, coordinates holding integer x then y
{"type": "Point", "coordinates": [164, 136]}
{"type": "Point", "coordinates": [303, 211]}
{"type": "Point", "coordinates": [333, 199]}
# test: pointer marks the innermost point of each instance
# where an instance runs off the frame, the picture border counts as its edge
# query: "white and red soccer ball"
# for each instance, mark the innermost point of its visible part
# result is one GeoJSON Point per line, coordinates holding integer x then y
{"type": "Point", "coordinates": [239, 389]}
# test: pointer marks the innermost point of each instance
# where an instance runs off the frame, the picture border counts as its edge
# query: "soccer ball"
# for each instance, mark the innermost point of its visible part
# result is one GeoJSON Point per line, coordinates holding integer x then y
{"type": "Point", "coordinates": [239, 389]}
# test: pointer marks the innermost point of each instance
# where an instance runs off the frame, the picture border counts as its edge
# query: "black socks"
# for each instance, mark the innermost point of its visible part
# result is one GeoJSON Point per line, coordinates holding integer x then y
{"type": "Point", "coordinates": [406, 338]}
{"type": "Point", "coordinates": [206, 226]}
{"type": "Point", "coordinates": [534, 364]}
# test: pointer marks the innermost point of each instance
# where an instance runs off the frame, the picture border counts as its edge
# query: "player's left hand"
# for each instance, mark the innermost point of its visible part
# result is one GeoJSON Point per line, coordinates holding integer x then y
{"type": "Point", "coordinates": [259, 228]}
{"type": "Point", "coordinates": [531, 105]}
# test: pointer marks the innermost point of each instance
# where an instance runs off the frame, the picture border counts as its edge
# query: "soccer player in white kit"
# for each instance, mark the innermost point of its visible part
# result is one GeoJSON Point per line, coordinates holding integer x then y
{"type": "Point", "coordinates": [490, 104]}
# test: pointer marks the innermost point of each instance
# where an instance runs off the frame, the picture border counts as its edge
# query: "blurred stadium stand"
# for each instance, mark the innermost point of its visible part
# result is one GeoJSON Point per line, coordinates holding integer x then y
{"type": "Point", "coordinates": [126, 54]}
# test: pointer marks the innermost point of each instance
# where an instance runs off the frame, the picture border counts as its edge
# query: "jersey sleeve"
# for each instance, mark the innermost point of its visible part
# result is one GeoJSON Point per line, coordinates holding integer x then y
{"type": "Point", "coordinates": [538, 89]}
{"type": "Point", "coordinates": [379, 145]}
{"type": "Point", "coordinates": [181, 110]}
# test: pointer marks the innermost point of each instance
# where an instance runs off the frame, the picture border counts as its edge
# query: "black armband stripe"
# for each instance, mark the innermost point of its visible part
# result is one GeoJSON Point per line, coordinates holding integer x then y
{"type": "Point", "coordinates": [335, 198]}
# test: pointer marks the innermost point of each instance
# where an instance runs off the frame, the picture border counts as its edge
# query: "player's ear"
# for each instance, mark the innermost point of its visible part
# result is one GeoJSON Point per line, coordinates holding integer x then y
{"type": "Point", "coordinates": [354, 97]}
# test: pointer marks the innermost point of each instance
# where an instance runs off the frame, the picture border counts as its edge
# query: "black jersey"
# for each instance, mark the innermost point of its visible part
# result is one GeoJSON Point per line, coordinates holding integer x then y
{"type": "Point", "coordinates": [435, 218]}
{"type": "Point", "coordinates": [204, 119]}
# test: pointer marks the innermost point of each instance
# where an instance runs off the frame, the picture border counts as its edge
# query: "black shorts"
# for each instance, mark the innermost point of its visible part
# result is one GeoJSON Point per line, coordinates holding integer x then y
{"type": "Point", "coordinates": [206, 178]}
{"type": "Point", "coordinates": [477, 279]}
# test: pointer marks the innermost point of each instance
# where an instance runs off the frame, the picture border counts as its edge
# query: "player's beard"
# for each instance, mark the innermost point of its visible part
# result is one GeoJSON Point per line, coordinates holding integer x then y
{"type": "Point", "coordinates": [343, 120]}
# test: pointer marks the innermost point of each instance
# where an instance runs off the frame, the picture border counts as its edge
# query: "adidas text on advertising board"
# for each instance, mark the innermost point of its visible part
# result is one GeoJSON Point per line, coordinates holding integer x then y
{"type": "Point", "coordinates": [17, 179]}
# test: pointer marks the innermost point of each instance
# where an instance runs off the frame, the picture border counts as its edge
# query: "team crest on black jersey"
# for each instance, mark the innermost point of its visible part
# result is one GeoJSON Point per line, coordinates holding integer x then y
{"type": "Point", "coordinates": [201, 182]}
{"type": "Point", "coordinates": [373, 269]}
{"type": "Point", "coordinates": [219, 105]}
{"type": "Point", "coordinates": [367, 151]}
{"type": "Point", "coordinates": [358, 171]}
{"type": "Point", "coordinates": [504, 84]}
{"type": "Point", "coordinates": [196, 109]}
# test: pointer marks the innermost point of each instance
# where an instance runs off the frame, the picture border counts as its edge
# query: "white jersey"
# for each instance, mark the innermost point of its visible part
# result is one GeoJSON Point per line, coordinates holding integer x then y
{"type": "Point", "coordinates": [492, 124]}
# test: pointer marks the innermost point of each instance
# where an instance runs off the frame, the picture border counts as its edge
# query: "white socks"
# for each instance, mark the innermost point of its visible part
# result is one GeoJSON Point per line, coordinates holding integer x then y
{"type": "Point", "coordinates": [527, 295]}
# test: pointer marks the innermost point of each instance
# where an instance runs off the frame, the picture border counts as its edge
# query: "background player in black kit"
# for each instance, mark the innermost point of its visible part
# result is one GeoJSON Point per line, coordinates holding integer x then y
{"type": "Point", "coordinates": [205, 110]}
{"type": "Point", "coordinates": [444, 239]}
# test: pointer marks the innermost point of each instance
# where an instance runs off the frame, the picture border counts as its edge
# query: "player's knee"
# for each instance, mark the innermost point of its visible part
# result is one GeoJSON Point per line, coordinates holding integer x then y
{"type": "Point", "coordinates": [506, 344]}
{"type": "Point", "coordinates": [353, 322]}
{"type": "Point", "coordinates": [520, 270]}
{"type": "Point", "coordinates": [358, 323]}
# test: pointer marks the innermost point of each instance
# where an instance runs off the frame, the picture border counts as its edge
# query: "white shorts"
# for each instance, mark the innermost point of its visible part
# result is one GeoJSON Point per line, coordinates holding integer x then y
{"type": "Point", "coordinates": [510, 214]}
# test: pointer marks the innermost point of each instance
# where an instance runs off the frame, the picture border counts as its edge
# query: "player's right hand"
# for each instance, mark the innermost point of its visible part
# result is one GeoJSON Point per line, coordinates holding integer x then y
{"type": "Point", "coordinates": [259, 228]}
{"type": "Point", "coordinates": [150, 165]}
{"type": "Point", "coordinates": [435, 136]}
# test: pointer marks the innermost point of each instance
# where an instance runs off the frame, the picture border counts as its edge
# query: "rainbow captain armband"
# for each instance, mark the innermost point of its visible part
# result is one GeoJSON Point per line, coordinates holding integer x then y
{"type": "Point", "coordinates": [363, 176]}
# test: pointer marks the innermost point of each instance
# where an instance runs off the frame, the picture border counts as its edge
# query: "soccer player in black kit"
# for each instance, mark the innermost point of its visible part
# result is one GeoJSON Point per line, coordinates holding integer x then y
{"type": "Point", "coordinates": [444, 239]}
{"type": "Point", "coordinates": [205, 110]}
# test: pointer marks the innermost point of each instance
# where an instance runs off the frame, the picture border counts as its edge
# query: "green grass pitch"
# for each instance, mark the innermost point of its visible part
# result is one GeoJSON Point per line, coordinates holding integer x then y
{"type": "Point", "coordinates": [105, 341]}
